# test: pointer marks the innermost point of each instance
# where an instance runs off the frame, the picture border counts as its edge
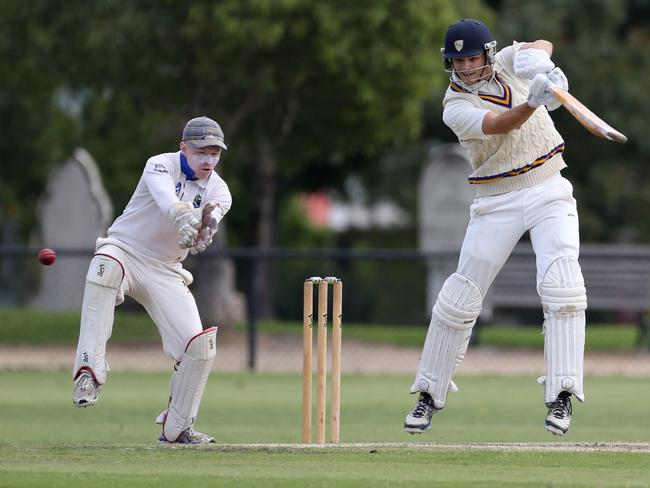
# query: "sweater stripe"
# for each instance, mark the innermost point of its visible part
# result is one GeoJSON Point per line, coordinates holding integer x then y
{"type": "Point", "coordinates": [504, 100]}
{"type": "Point", "coordinates": [478, 180]}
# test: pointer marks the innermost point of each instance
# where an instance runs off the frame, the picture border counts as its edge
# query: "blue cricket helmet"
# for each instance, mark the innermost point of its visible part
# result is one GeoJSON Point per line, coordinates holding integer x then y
{"type": "Point", "coordinates": [468, 37]}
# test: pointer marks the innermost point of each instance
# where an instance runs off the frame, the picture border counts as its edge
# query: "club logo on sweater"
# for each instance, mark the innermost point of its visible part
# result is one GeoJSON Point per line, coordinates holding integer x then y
{"type": "Point", "coordinates": [197, 201]}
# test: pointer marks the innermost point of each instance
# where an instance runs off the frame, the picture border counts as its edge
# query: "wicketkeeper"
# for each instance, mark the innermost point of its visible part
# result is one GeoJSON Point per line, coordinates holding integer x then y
{"type": "Point", "coordinates": [175, 210]}
{"type": "Point", "coordinates": [497, 104]}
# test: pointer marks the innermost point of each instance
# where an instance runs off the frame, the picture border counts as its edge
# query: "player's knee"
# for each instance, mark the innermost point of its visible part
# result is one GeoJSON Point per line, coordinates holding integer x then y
{"type": "Point", "coordinates": [563, 289]}
{"type": "Point", "coordinates": [203, 346]}
{"type": "Point", "coordinates": [459, 302]}
{"type": "Point", "coordinates": [105, 271]}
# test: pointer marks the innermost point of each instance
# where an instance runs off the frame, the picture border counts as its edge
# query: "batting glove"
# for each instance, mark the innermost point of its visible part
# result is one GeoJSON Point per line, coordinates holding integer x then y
{"type": "Point", "coordinates": [538, 92]}
{"type": "Point", "coordinates": [531, 62]}
{"type": "Point", "coordinates": [187, 221]}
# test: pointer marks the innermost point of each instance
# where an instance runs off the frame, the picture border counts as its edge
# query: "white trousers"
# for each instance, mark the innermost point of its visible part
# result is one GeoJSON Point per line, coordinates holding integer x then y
{"type": "Point", "coordinates": [161, 288]}
{"type": "Point", "coordinates": [547, 210]}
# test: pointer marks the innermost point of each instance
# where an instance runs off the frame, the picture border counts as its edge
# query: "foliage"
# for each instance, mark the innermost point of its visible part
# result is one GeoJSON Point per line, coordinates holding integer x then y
{"type": "Point", "coordinates": [297, 85]}
{"type": "Point", "coordinates": [602, 47]}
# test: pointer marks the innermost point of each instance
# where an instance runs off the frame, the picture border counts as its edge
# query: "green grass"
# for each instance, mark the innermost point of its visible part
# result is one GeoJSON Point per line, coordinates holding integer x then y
{"type": "Point", "coordinates": [26, 326]}
{"type": "Point", "coordinates": [47, 442]}
{"type": "Point", "coordinates": [599, 337]}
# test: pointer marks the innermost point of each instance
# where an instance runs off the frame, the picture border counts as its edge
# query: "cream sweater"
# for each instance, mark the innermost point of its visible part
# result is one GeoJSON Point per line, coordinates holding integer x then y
{"type": "Point", "coordinates": [519, 159]}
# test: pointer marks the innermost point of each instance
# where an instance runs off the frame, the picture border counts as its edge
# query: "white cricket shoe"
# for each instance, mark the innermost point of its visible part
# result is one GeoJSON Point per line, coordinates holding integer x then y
{"type": "Point", "coordinates": [558, 418]}
{"type": "Point", "coordinates": [86, 390]}
{"type": "Point", "coordinates": [190, 436]}
{"type": "Point", "coordinates": [418, 420]}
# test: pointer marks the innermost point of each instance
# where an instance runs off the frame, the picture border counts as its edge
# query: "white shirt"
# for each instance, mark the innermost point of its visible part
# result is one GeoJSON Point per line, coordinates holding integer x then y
{"type": "Point", "coordinates": [166, 179]}
{"type": "Point", "coordinates": [465, 119]}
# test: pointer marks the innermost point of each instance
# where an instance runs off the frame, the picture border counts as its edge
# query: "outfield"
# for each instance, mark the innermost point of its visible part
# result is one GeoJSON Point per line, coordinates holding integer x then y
{"type": "Point", "coordinates": [47, 442]}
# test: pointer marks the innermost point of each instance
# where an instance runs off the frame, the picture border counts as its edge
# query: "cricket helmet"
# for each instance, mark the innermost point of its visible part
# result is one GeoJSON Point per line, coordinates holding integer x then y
{"type": "Point", "coordinates": [468, 37]}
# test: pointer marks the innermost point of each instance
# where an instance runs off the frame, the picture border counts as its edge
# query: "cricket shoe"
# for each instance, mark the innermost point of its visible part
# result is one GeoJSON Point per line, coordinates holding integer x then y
{"type": "Point", "coordinates": [189, 436]}
{"type": "Point", "coordinates": [559, 413]}
{"type": "Point", "coordinates": [418, 420]}
{"type": "Point", "coordinates": [86, 390]}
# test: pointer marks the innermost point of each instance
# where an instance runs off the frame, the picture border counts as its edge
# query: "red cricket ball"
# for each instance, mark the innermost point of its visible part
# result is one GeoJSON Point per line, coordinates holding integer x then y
{"type": "Point", "coordinates": [46, 256]}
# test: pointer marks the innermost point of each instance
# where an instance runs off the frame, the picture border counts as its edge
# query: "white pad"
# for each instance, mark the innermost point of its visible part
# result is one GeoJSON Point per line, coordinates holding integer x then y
{"type": "Point", "coordinates": [188, 382]}
{"type": "Point", "coordinates": [565, 301]}
{"type": "Point", "coordinates": [102, 286]}
{"type": "Point", "coordinates": [452, 318]}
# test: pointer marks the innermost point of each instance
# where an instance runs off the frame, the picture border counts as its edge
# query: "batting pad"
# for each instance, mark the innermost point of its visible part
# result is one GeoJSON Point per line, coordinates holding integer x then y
{"type": "Point", "coordinates": [97, 311]}
{"type": "Point", "coordinates": [188, 382]}
{"type": "Point", "coordinates": [452, 318]}
{"type": "Point", "coordinates": [565, 301]}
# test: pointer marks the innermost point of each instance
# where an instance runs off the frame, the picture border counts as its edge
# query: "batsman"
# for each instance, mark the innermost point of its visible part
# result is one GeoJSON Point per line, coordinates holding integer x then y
{"type": "Point", "coordinates": [175, 210]}
{"type": "Point", "coordinates": [498, 104]}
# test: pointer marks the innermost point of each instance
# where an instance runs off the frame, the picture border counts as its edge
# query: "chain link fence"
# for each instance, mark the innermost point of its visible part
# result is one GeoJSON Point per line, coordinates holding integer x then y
{"type": "Point", "coordinates": [383, 290]}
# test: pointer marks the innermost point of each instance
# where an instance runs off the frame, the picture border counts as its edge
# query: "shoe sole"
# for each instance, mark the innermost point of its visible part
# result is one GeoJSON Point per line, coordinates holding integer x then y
{"type": "Point", "coordinates": [175, 443]}
{"type": "Point", "coordinates": [85, 403]}
{"type": "Point", "coordinates": [554, 429]}
{"type": "Point", "coordinates": [416, 430]}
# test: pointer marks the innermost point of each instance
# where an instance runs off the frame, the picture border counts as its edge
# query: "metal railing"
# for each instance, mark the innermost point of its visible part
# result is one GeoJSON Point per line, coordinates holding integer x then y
{"type": "Point", "coordinates": [388, 284]}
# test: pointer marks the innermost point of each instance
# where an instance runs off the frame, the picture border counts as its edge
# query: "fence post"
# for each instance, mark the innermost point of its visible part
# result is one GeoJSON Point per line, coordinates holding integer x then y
{"type": "Point", "coordinates": [252, 312]}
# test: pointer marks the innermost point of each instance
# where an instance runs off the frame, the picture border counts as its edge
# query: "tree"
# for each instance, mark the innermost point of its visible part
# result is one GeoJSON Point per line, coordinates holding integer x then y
{"type": "Point", "coordinates": [298, 85]}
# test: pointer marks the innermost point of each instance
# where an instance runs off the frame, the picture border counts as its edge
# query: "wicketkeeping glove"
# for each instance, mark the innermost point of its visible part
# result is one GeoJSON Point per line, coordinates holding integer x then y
{"type": "Point", "coordinates": [208, 229]}
{"type": "Point", "coordinates": [187, 221]}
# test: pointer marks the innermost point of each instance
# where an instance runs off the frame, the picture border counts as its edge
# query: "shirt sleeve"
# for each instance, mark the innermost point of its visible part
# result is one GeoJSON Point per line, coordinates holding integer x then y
{"type": "Point", "coordinates": [160, 183]}
{"type": "Point", "coordinates": [464, 119]}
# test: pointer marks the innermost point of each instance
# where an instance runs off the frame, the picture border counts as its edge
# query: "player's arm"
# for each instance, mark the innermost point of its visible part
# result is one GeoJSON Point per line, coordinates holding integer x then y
{"type": "Point", "coordinates": [160, 183]}
{"type": "Point", "coordinates": [539, 93]}
{"type": "Point", "coordinates": [542, 44]}
{"type": "Point", "coordinates": [507, 121]}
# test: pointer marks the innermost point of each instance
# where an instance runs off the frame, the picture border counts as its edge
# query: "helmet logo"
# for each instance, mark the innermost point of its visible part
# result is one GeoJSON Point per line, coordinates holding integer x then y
{"type": "Point", "coordinates": [459, 44]}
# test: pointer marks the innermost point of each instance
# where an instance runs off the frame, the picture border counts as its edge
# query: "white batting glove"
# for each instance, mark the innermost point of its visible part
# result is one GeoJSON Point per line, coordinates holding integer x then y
{"type": "Point", "coordinates": [538, 91]}
{"type": "Point", "coordinates": [187, 221]}
{"type": "Point", "coordinates": [530, 62]}
{"type": "Point", "coordinates": [557, 78]}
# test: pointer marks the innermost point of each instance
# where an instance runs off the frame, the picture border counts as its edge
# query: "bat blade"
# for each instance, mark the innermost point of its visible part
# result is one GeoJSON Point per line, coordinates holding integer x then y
{"type": "Point", "coordinates": [587, 118]}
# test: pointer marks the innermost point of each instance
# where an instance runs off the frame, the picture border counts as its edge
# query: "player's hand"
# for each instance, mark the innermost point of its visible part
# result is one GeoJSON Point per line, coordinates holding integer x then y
{"type": "Point", "coordinates": [203, 240]}
{"type": "Point", "coordinates": [556, 77]}
{"type": "Point", "coordinates": [208, 229]}
{"type": "Point", "coordinates": [538, 92]}
{"type": "Point", "coordinates": [531, 62]}
{"type": "Point", "coordinates": [206, 213]}
{"type": "Point", "coordinates": [187, 221]}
